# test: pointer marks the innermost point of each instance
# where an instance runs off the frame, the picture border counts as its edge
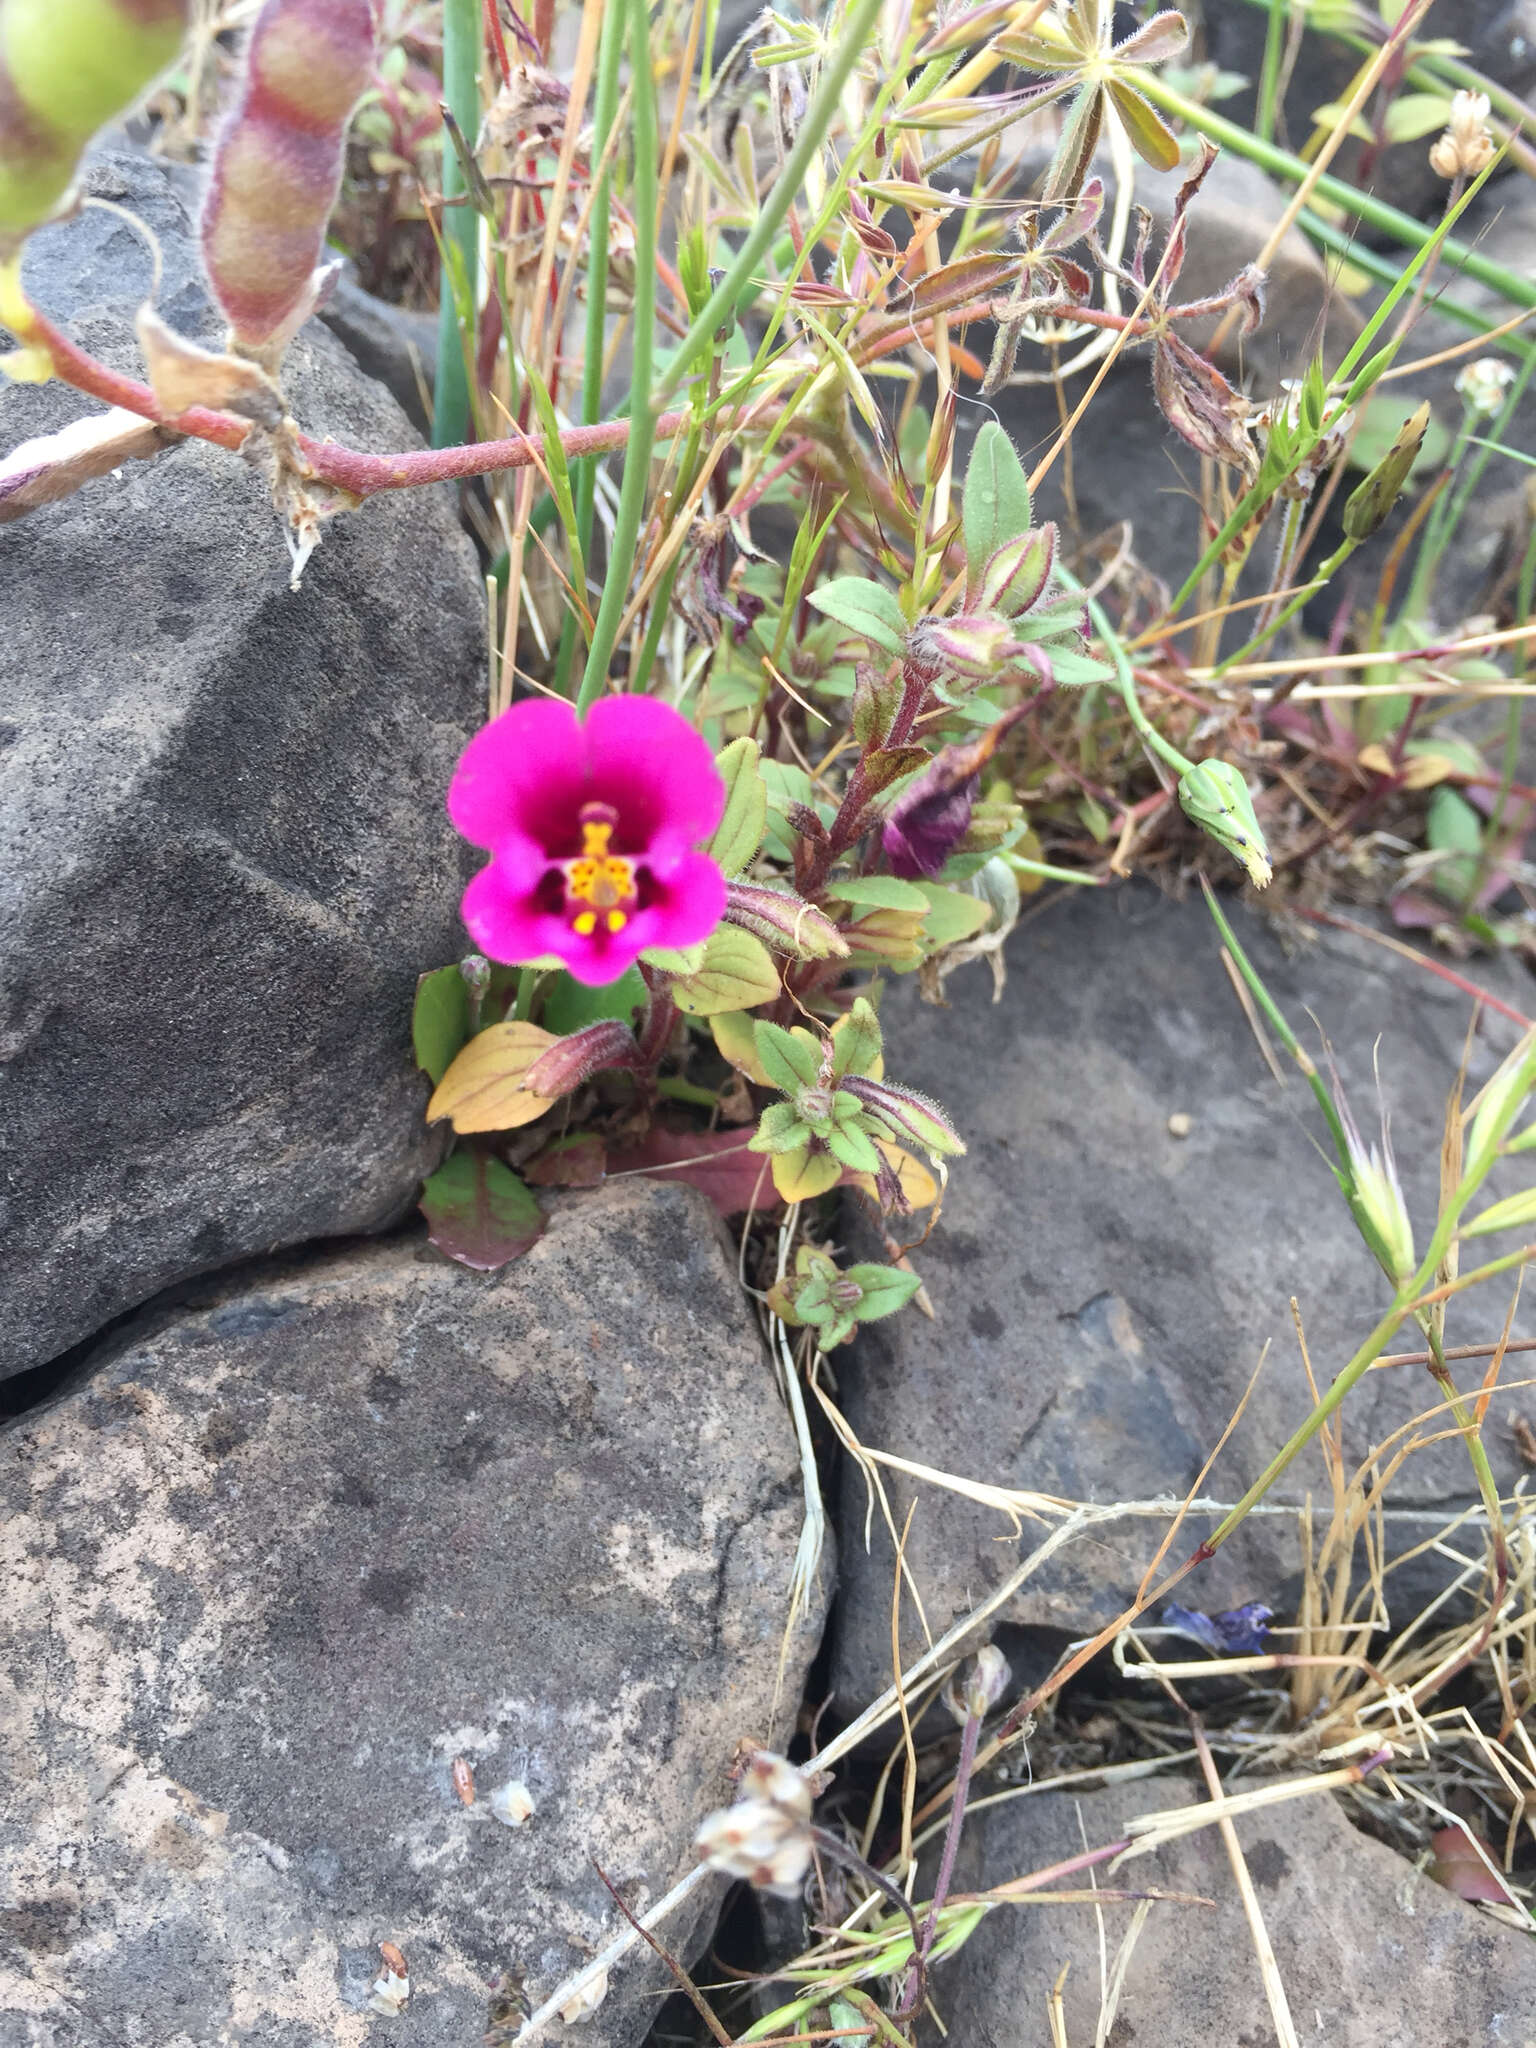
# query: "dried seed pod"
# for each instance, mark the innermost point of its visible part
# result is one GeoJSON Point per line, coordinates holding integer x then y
{"type": "Point", "coordinates": [276, 167]}
{"type": "Point", "coordinates": [66, 67]}
{"type": "Point", "coordinates": [512, 1803]}
{"type": "Point", "coordinates": [463, 1780]}
{"type": "Point", "coordinates": [394, 1958]}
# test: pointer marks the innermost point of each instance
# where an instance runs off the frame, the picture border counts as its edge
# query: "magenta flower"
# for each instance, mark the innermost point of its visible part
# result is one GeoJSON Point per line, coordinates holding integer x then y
{"type": "Point", "coordinates": [592, 829]}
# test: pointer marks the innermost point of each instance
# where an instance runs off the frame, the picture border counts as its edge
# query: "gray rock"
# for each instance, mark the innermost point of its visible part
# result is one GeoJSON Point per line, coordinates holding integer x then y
{"type": "Point", "coordinates": [223, 854]}
{"type": "Point", "coordinates": [1370, 1954]}
{"type": "Point", "coordinates": [1105, 1290]}
{"type": "Point", "coordinates": [392, 343]}
{"type": "Point", "coordinates": [300, 1544]}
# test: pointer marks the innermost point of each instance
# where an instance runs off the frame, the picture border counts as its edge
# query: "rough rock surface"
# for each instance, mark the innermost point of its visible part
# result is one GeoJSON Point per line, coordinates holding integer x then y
{"type": "Point", "coordinates": [1371, 1956]}
{"type": "Point", "coordinates": [297, 1546]}
{"type": "Point", "coordinates": [1104, 1289]}
{"type": "Point", "coordinates": [223, 854]}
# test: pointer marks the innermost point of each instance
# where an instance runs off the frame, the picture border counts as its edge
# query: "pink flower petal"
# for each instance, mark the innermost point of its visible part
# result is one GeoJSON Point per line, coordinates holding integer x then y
{"type": "Point", "coordinates": [524, 775]}
{"type": "Point", "coordinates": [688, 902]}
{"type": "Point", "coordinates": [503, 918]}
{"type": "Point", "coordinates": [646, 760]}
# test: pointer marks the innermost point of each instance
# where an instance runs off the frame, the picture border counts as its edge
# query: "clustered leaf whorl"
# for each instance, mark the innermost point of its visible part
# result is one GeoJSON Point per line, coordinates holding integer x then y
{"type": "Point", "coordinates": [66, 67]}
{"type": "Point", "coordinates": [277, 164]}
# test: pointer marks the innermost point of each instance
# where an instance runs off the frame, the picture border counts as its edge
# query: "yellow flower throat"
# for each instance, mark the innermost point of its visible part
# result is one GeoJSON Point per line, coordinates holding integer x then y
{"type": "Point", "coordinates": [599, 885]}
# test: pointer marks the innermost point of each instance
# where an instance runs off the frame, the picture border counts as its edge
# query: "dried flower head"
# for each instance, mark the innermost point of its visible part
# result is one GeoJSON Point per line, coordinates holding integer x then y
{"type": "Point", "coordinates": [591, 827]}
{"type": "Point", "coordinates": [977, 1686]}
{"type": "Point", "coordinates": [512, 1803]}
{"type": "Point", "coordinates": [1481, 386]}
{"type": "Point", "coordinates": [765, 1835]}
{"type": "Point", "coordinates": [1466, 147]}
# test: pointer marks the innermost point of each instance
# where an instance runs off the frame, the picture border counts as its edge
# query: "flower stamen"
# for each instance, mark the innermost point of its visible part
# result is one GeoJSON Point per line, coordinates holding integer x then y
{"type": "Point", "coordinates": [599, 885]}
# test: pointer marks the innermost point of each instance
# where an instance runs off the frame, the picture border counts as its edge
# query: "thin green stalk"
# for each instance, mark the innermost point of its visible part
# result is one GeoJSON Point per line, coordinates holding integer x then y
{"type": "Point", "coordinates": [461, 227]}
{"type": "Point", "coordinates": [1402, 227]}
{"type": "Point", "coordinates": [642, 432]}
{"type": "Point", "coordinates": [1329, 569]}
{"type": "Point", "coordinates": [604, 106]}
{"type": "Point", "coordinates": [860, 25]}
{"type": "Point", "coordinates": [1473, 476]}
{"type": "Point", "coordinates": [1126, 680]}
{"type": "Point", "coordinates": [1269, 70]}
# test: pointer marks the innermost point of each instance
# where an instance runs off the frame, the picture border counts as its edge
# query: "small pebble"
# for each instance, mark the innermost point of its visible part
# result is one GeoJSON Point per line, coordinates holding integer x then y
{"type": "Point", "coordinates": [1180, 1124]}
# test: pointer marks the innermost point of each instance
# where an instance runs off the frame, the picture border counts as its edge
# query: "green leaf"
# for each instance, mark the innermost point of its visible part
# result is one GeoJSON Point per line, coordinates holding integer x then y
{"type": "Point", "coordinates": [1073, 670]}
{"type": "Point", "coordinates": [879, 892]}
{"type": "Point", "coordinates": [1514, 1212]}
{"type": "Point", "coordinates": [857, 1152]}
{"type": "Point", "coordinates": [1413, 115]}
{"type": "Point", "coordinates": [995, 505]}
{"type": "Point", "coordinates": [440, 1021]}
{"type": "Point", "coordinates": [674, 959]}
{"type": "Point", "coordinates": [737, 973]}
{"type": "Point", "coordinates": [479, 1212]}
{"type": "Point", "coordinates": [1454, 828]}
{"type": "Point", "coordinates": [779, 1129]}
{"type": "Point", "coordinates": [740, 831]}
{"type": "Point", "coordinates": [865, 608]}
{"type": "Point", "coordinates": [570, 1005]}
{"type": "Point", "coordinates": [885, 1289]}
{"type": "Point", "coordinates": [790, 1059]}
{"type": "Point", "coordinates": [856, 1041]}
{"type": "Point", "coordinates": [1151, 137]}
{"type": "Point", "coordinates": [953, 915]}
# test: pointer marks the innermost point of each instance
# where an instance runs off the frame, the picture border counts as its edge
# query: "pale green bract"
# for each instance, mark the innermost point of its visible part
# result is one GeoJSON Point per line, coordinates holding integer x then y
{"type": "Point", "coordinates": [1215, 795]}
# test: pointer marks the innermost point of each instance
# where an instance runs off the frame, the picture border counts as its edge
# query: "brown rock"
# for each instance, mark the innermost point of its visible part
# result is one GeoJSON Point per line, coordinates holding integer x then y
{"type": "Point", "coordinates": [298, 1546]}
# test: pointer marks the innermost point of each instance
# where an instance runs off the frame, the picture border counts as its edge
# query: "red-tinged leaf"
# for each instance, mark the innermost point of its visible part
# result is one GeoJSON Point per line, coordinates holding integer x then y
{"type": "Point", "coordinates": [956, 284]}
{"type": "Point", "coordinates": [717, 1163]}
{"type": "Point", "coordinates": [579, 1161]}
{"type": "Point", "coordinates": [1461, 1863]}
{"type": "Point", "coordinates": [479, 1212]}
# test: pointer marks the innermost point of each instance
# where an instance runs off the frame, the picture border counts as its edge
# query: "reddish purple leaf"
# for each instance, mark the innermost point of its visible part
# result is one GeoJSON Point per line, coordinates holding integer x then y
{"type": "Point", "coordinates": [579, 1161]}
{"type": "Point", "coordinates": [479, 1212]}
{"type": "Point", "coordinates": [720, 1166]}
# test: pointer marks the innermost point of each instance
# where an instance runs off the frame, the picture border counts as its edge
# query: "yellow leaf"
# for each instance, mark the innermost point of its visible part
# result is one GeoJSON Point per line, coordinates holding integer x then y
{"type": "Point", "coordinates": [801, 1175]}
{"type": "Point", "coordinates": [1376, 758]}
{"type": "Point", "coordinates": [1425, 770]}
{"type": "Point", "coordinates": [483, 1089]}
{"type": "Point", "coordinates": [737, 973]}
{"type": "Point", "coordinates": [917, 1183]}
{"type": "Point", "coordinates": [737, 1044]}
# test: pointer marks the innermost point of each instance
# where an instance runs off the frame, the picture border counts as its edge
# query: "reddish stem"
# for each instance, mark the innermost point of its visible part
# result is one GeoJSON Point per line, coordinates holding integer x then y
{"type": "Point", "coordinates": [347, 469]}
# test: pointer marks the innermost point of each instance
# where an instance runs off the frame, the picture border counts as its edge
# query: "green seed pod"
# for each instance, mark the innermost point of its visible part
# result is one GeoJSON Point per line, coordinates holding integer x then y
{"type": "Point", "coordinates": [277, 164]}
{"type": "Point", "coordinates": [66, 68]}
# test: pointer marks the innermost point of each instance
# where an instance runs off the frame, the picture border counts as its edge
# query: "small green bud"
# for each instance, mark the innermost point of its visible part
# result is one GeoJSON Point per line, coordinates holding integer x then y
{"type": "Point", "coordinates": [1216, 797]}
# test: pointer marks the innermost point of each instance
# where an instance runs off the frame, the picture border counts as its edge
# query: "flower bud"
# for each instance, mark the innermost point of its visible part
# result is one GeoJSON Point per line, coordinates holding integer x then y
{"type": "Point", "coordinates": [910, 1118]}
{"type": "Point", "coordinates": [1216, 797]}
{"type": "Point", "coordinates": [66, 67]}
{"type": "Point", "coordinates": [1370, 502]}
{"type": "Point", "coordinates": [782, 920]}
{"type": "Point", "coordinates": [581, 1054]}
{"type": "Point", "coordinates": [277, 165]}
{"type": "Point", "coordinates": [765, 1837]}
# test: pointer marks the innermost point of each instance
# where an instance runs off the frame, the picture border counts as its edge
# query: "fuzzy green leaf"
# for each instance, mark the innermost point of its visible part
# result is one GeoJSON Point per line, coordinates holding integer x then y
{"type": "Point", "coordinates": [790, 1059]}
{"type": "Point", "coordinates": [866, 608]}
{"type": "Point", "coordinates": [995, 505]}
{"type": "Point", "coordinates": [737, 973]}
{"type": "Point", "coordinates": [885, 1289]}
{"type": "Point", "coordinates": [740, 831]}
{"type": "Point", "coordinates": [856, 1041]}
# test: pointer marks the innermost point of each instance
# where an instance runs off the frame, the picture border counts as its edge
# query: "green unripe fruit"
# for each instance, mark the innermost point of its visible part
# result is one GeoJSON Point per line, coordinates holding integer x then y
{"type": "Point", "coordinates": [66, 68]}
